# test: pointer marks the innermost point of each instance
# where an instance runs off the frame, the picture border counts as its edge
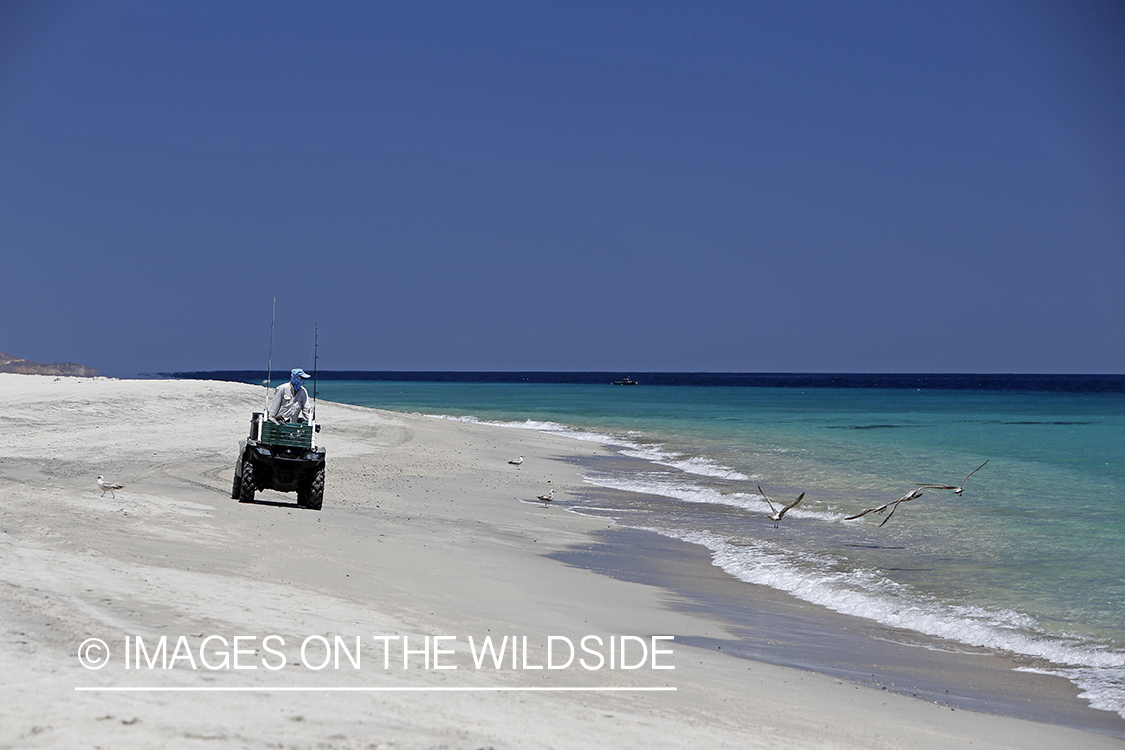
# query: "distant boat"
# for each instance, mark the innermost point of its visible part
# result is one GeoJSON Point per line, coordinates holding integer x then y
{"type": "Point", "coordinates": [625, 381]}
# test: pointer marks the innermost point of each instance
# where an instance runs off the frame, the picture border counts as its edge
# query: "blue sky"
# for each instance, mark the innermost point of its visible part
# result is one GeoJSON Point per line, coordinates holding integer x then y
{"type": "Point", "coordinates": [622, 186]}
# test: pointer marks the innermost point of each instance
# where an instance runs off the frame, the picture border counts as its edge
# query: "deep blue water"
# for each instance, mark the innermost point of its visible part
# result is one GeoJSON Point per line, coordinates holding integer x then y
{"type": "Point", "coordinates": [985, 382]}
{"type": "Point", "coordinates": [1029, 561]}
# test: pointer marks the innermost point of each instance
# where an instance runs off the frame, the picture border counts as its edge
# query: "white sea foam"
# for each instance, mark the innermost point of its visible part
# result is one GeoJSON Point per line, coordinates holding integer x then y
{"type": "Point", "coordinates": [1103, 687]}
{"type": "Point", "coordinates": [553, 428]}
{"type": "Point", "coordinates": [656, 484]}
{"type": "Point", "coordinates": [666, 485]}
{"type": "Point", "coordinates": [651, 452]}
{"type": "Point", "coordinates": [824, 580]}
{"type": "Point", "coordinates": [698, 465]}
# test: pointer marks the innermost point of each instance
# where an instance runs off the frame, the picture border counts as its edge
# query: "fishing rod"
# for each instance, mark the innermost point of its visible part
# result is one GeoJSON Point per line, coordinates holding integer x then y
{"type": "Point", "coordinates": [269, 372]}
{"type": "Point", "coordinates": [316, 344]}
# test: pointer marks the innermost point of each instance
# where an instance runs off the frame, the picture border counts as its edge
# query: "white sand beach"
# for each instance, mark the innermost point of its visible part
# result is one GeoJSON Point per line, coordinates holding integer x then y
{"type": "Point", "coordinates": [428, 543]}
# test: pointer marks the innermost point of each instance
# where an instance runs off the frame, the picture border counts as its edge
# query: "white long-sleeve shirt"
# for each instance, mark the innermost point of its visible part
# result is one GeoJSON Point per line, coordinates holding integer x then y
{"type": "Point", "coordinates": [288, 406]}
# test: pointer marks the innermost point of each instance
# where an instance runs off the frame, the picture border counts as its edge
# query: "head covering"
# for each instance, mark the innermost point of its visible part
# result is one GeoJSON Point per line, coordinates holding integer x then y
{"type": "Point", "coordinates": [295, 378]}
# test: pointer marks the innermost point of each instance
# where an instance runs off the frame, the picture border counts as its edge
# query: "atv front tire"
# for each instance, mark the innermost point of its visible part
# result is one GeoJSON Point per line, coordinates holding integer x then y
{"type": "Point", "coordinates": [311, 492]}
{"type": "Point", "coordinates": [246, 483]}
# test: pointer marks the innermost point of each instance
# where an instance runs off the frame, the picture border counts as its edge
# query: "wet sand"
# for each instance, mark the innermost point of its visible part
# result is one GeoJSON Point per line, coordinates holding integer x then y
{"type": "Point", "coordinates": [769, 626]}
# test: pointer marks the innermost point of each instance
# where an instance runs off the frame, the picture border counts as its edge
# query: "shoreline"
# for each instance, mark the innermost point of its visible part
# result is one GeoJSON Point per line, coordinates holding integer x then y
{"type": "Point", "coordinates": [771, 627]}
{"type": "Point", "coordinates": [782, 629]}
{"type": "Point", "coordinates": [426, 531]}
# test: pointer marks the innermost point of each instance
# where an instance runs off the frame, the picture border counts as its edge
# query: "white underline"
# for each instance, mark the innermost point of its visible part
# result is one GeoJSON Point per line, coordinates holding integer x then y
{"type": "Point", "coordinates": [241, 689]}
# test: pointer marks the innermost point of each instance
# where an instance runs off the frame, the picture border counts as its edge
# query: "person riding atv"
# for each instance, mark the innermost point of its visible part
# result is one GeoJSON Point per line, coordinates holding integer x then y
{"type": "Point", "coordinates": [291, 400]}
{"type": "Point", "coordinates": [280, 453]}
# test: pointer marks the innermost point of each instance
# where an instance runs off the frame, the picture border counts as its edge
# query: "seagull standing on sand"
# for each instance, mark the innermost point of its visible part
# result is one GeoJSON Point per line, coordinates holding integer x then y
{"type": "Point", "coordinates": [956, 490]}
{"type": "Point", "coordinates": [548, 497]}
{"type": "Point", "coordinates": [893, 505]}
{"type": "Point", "coordinates": [517, 462]}
{"type": "Point", "coordinates": [108, 486]}
{"type": "Point", "coordinates": [776, 515]}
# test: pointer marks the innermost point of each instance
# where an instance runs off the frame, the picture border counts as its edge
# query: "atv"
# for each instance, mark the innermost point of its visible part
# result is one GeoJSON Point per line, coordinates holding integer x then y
{"type": "Point", "coordinates": [281, 457]}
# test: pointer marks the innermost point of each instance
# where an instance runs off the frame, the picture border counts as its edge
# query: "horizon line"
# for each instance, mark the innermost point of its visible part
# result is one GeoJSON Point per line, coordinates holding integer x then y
{"type": "Point", "coordinates": [673, 372]}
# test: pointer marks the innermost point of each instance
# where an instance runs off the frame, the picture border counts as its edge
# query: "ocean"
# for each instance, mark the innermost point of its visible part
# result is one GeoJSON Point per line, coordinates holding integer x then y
{"type": "Point", "coordinates": [1029, 562]}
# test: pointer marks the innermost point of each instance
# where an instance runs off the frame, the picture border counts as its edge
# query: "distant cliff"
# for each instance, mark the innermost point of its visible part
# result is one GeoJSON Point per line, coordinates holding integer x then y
{"type": "Point", "coordinates": [8, 363]}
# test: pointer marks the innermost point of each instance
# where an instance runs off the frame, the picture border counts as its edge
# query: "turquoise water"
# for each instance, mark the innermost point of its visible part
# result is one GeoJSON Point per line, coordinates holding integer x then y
{"type": "Point", "coordinates": [1028, 561]}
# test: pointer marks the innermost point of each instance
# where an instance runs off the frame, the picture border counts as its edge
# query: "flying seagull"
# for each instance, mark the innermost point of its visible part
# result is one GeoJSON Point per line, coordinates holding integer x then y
{"type": "Point", "coordinates": [517, 462]}
{"type": "Point", "coordinates": [548, 497]}
{"type": "Point", "coordinates": [108, 486]}
{"type": "Point", "coordinates": [956, 490]}
{"type": "Point", "coordinates": [893, 505]}
{"type": "Point", "coordinates": [776, 515]}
